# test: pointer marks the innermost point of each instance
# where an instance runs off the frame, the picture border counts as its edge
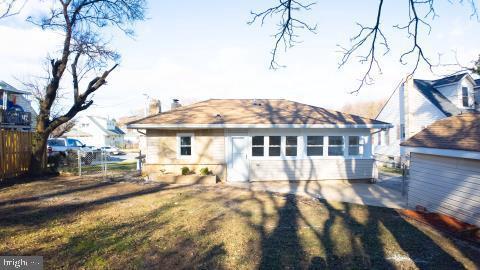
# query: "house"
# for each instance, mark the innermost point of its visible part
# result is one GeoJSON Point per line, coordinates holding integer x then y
{"type": "Point", "coordinates": [260, 140]}
{"type": "Point", "coordinates": [445, 167]}
{"type": "Point", "coordinates": [16, 111]}
{"type": "Point", "coordinates": [415, 104]}
{"type": "Point", "coordinates": [97, 131]}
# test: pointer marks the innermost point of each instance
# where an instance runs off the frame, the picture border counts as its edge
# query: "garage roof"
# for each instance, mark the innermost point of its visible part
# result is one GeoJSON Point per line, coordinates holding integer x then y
{"type": "Point", "coordinates": [460, 132]}
{"type": "Point", "coordinates": [216, 113]}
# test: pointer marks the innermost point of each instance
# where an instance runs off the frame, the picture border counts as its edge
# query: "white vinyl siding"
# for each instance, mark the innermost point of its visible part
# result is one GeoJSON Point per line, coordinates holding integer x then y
{"type": "Point", "coordinates": [446, 185]}
{"type": "Point", "coordinates": [314, 169]}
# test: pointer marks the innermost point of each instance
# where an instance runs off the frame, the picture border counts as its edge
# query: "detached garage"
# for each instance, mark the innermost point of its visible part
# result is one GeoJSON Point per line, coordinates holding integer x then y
{"type": "Point", "coordinates": [445, 167]}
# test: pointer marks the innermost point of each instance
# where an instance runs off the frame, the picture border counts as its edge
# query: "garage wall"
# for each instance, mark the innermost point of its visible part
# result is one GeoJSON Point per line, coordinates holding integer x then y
{"type": "Point", "coordinates": [446, 185]}
{"type": "Point", "coordinates": [313, 169]}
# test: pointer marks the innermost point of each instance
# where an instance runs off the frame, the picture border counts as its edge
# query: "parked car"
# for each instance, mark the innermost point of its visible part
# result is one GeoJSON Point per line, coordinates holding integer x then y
{"type": "Point", "coordinates": [112, 150]}
{"type": "Point", "coordinates": [59, 148]}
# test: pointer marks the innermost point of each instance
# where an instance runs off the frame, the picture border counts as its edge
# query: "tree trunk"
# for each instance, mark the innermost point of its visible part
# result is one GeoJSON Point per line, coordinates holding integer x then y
{"type": "Point", "coordinates": [38, 163]}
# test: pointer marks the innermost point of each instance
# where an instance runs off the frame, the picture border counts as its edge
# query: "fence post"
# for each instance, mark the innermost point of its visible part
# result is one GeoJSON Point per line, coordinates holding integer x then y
{"type": "Point", "coordinates": [79, 163]}
{"type": "Point", "coordinates": [104, 154]}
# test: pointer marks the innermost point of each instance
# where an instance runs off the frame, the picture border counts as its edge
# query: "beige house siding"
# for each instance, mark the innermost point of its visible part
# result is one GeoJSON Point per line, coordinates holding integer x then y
{"type": "Point", "coordinates": [311, 169]}
{"type": "Point", "coordinates": [208, 151]}
{"type": "Point", "coordinates": [446, 185]}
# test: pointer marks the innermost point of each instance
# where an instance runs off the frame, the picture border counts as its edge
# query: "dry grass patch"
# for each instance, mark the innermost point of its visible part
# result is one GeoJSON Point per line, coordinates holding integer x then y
{"type": "Point", "coordinates": [84, 223]}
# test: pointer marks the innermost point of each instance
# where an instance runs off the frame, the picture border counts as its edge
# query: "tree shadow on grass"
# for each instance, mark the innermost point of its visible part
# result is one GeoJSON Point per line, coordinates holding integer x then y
{"type": "Point", "coordinates": [37, 215]}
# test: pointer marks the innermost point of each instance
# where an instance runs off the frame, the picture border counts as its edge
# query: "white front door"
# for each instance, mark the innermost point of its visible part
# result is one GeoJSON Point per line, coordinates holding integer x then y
{"type": "Point", "coordinates": [238, 169]}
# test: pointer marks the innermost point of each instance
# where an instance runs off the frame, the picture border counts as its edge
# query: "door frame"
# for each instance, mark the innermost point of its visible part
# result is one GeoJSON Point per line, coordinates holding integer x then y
{"type": "Point", "coordinates": [228, 153]}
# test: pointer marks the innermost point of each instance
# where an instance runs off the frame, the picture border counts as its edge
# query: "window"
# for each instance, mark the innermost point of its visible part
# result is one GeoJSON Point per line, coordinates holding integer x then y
{"type": "Point", "coordinates": [185, 145]}
{"type": "Point", "coordinates": [74, 143]}
{"type": "Point", "coordinates": [335, 145]}
{"type": "Point", "coordinates": [314, 145]}
{"type": "Point", "coordinates": [291, 146]}
{"type": "Point", "coordinates": [274, 145]}
{"type": "Point", "coordinates": [465, 102]}
{"type": "Point", "coordinates": [56, 142]}
{"type": "Point", "coordinates": [257, 146]}
{"type": "Point", "coordinates": [355, 146]}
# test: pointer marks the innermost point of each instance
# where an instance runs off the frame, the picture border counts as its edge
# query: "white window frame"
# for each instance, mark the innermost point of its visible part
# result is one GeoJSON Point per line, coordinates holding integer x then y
{"type": "Point", "coordinates": [361, 143]}
{"type": "Point", "coordinates": [265, 147]}
{"type": "Point", "coordinates": [281, 146]}
{"type": "Point", "coordinates": [284, 148]}
{"type": "Point", "coordinates": [343, 145]}
{"type": "Point", "coordinates": [192, 145]}
{"type": "Point", "coordinates": [302, 144]}
{"type": "Point", "coordinates": [306, 145]}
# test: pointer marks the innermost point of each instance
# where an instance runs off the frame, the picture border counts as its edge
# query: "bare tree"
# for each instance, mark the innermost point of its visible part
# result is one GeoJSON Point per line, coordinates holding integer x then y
{"type": "Point", "coordinates": [10, 7]}
{"type": "Point", "coordinates": [370, 43]}
{"type": "Point", "coordinates": [63, 128]}
{"type": "Point", "coordinates": [84, 54]}
{"type": "Point", "coordinates": [286, 36]}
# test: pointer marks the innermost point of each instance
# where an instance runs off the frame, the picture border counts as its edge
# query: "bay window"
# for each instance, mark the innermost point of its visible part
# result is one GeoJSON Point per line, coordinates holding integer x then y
{"type": "Point", "coordinates": [314, 145]}
{"type": "Point", "coordinates": [335, 145]}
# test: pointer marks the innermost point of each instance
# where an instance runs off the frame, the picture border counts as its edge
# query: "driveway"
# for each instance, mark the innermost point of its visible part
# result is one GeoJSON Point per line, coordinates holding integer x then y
{"type": "Point", "coordinates": [385, 193]}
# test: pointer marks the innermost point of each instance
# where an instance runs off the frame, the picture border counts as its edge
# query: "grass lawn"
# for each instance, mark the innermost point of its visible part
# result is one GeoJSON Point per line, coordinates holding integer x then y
{"type": "Point", "coordinates": [86, 223]}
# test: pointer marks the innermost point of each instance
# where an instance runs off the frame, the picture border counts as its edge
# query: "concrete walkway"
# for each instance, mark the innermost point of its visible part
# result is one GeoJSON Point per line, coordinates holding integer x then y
{"type": "Point", "coordinates": [385, 193]}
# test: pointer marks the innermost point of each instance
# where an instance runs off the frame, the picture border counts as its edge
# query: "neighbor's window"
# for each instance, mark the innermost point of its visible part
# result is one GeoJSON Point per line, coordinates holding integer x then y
{"type": "Point", "coordinates": [257, 146]}
{"type": "Point", "coordinates": [355, 146]}
{"type": "Point", "coordinates": [274, 144]}
{"type": "Point", "coordinates": [335, 145]}
{"type": "Point", "coordinates": [291, 143]}
{"type": "Point", "coordinates": [185, 145]}
{"type": "Point", "coordinates": [465, 97]}
{"type": "Point", "coordinates": [314, 145]}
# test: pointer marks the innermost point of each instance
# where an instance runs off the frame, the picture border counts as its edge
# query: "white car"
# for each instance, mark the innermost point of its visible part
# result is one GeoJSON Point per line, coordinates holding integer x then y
{"type": "Point", "coordinates": [111, 150]}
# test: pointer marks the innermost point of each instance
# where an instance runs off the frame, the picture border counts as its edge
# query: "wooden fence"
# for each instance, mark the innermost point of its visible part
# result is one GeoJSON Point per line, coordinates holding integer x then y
{"type": "Point", "coordinates": [15, 153]}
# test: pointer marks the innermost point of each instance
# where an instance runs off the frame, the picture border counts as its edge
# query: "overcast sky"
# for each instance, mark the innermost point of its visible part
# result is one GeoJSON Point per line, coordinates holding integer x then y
{"type": "Point", "coordinates": [194, 50]}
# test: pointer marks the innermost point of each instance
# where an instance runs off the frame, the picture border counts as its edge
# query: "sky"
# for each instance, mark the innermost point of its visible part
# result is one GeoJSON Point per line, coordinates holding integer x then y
{"type": "Point", "coordinates": [195, 50]}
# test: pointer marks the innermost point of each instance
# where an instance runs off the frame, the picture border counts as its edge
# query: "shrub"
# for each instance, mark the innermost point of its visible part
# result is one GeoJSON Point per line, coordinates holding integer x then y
{"type": "Point", "coordinates": [204, 171]}
{"type": "Point", "coordinates": [185, 171]}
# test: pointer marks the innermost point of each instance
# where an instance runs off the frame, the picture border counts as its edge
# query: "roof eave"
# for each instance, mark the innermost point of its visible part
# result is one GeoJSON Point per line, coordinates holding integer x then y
{"type": "Point", "coordinates": [222, 126]}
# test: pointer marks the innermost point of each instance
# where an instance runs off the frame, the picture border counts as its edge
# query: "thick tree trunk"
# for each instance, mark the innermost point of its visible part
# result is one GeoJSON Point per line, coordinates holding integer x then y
{"type": "Point", "coordinates": [38, 165]}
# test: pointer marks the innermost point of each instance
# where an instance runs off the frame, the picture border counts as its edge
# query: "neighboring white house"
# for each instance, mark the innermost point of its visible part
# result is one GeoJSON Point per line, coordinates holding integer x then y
{"type": "Point", "coordinates": [16, 111]}
{"type": "Point", "coordinates": [445, 167]}
{"type": "Point", "coordinates": [416, 104]}
{"type": "Point", "coordinates": [260, 140]}
{"type": "Point", "coordinates": [97, 131]}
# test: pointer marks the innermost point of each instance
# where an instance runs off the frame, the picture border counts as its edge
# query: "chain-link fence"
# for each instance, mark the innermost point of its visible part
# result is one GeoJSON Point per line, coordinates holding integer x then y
{"type": "Point", "coordinates": [94, 162]}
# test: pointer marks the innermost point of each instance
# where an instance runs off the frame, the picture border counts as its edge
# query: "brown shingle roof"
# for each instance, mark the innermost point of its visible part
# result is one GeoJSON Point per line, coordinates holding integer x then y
{"type": "Point", "coordinates": [460, 132]}
{"type": "Point", "coordinates": [249, 111]}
